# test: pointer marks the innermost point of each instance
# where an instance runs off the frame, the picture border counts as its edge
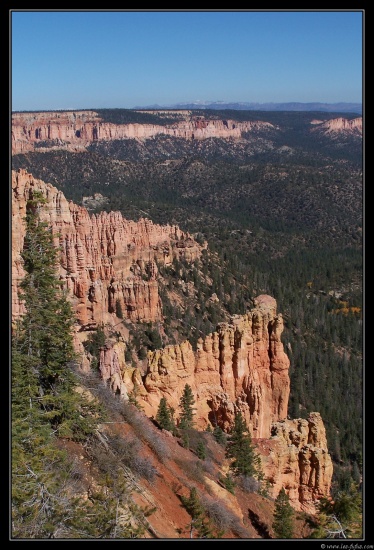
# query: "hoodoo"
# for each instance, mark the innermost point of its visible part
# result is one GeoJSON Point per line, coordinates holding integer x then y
{"type": "Point", "coordinates": [242, 366]}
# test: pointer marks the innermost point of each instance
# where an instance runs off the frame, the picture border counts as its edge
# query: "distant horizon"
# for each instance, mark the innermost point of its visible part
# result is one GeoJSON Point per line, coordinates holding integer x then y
{"type": "Point", "coordinates": [200, 105]}
{"type": "Point", "coordinates": [126, 58]}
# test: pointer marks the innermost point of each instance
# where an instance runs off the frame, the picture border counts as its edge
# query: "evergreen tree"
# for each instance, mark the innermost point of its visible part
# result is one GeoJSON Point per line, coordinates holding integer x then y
{"type": "Point", "coordinates": [133, 397]}
{"type": "Point", "coordinates": [219, 435]}
{"type": "Point", "coordinates": [186, 403]}
{"type": "Point", "coordinates": [164, 416]}
{"type": "Point", "coordinates": [228, 482]}
{"type": "Point", "coordinates": [200, 523]}
{"type": "Point", "coordinates": [185, 439]}
{"type": "Point", "coordinates": [95, 341]}
{"type": "Point", "coordinates": [283, 516]}
{"type": "Point", "coordinates": [45, 404]}
{"type": "Point", "coordinates": [201, 450]}
{"type": "Point", "coordinates": [341, 517]}
{"type": "Point", "coordinates": [115, 514]}
{"type": "Point", "coordinates": [245, 461]}
{"type": "Point", "coordinates": [37, 465]}
{"type": "Point", "coordinates": [44, 339]}
{"type": "Point", "coordinates": [348, 509]}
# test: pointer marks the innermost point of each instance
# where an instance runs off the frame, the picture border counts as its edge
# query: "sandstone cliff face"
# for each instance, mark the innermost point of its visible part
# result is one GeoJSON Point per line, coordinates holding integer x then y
{"type": "Point", "coordinates": [76, 130]}
{"type": "Point", "coordinates": [112, 367]}
{"type": "Point", "coordinates": [104, 258]}
{"type": "Point", "coordinates": [296, 458]}
{"type": "Point", "coordinates": [240, 367]}
{"type": "Point", "coordinates": [353, 126]}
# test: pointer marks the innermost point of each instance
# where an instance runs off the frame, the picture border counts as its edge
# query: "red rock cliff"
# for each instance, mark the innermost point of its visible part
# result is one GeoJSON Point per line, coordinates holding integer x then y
{"type": "Point", "coordinates": [76, 130]}
{"type": "Point", "coordinates": [242, 366]}
{"type": "Point", "coordinates": [296, 458]}
{"type": "Point", "coordinates": [104, 257]}
{"type": "Point", "coordinates": [353, 126]}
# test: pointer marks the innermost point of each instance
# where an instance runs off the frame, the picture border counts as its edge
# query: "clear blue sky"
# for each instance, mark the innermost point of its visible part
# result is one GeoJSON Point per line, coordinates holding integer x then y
{"type": "Point", "coordinates": [97, 59]}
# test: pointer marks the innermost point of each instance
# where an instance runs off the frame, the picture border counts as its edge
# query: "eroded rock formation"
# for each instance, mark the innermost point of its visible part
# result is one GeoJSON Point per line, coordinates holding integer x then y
{"type": "Point", "coordinates": [74, 131]}
{"type": "Point", "coordinates": [112, 366]}
{"type": "Point", "coordinates": [242, 367]}
{"type": "Point", "coordinates": [296, 458]}
{"type": "Point", "coordinates": [339, 124]}
{"type": "Point", "coordinates": [106, 261]}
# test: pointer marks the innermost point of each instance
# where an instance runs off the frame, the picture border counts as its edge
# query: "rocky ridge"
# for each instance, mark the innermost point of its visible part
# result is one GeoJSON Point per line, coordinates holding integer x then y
{"type": "Point", "coordinates": [105, 260]}
{"type": "Point", "coordinates": [242, 366]}
{"type": "Point", "coordinates": [339, 125]}
{"type": "Point", "coordinates": [75, 131]}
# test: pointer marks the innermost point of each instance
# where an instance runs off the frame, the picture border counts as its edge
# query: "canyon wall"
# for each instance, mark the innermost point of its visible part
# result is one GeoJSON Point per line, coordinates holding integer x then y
{"type": "Point", "coordinates": [242, 366]}
{"type": "Point", "coordinates": [75, 131]}
{"type": "Point", "coordinates": [339, 124]}
{"type": "Point", "coordinates": [105, 260]}
{"type": "Point", "coordinates": [296, 457]}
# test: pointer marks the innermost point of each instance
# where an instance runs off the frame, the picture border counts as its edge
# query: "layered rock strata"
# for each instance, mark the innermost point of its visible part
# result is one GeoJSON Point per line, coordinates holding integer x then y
{"type": "Point", "coordinates": [296, 457]}
{"type": "Point", "coordinates": [106, 261]}
{"type": "Point", "coordinates": [240, 367]}
{"type": "Point", "coordinates": [112, 367]}
{"type": "Point", "coordinates": [75, 131]}
{"type": "Point", "coordinates": [339, 124]}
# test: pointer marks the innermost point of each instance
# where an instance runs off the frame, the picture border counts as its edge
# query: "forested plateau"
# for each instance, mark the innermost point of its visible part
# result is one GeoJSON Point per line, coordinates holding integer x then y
{"type": "Point", "coordinates": [267, 204]}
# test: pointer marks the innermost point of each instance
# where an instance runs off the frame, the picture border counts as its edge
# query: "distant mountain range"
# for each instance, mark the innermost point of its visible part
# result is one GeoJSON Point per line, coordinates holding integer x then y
{"type": "Point", "coordinates": [246, 106]}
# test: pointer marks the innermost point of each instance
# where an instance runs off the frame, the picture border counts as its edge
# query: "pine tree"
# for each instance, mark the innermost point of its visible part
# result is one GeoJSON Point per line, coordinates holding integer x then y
{"type": "Point", "coordinates": [341, 517]}
{"type": "Point", "coordinates": [45, 404]}
{"type": "Point", "coordinates": [201, 450]}
{"type": "Point", "coordinates": [219, 435]}
{"type": "Point", "coordinates": [164, 416]}
{"type": "Point", "coordinates": [95, 341]}
{"type": "Point", "coordinates": [283, 516]}
{"type": "Point", "coordinates": [186, 403]}
{"type": "Point", "coordinates": [133, 397]}
{"type": "Point", "coordinates": [200, 523]}
{"type": "Point", "coordinates": [37, 465]}
{"type": "Point", "coordinates": [114, 513]}
{"type": "Point", "coordinates": [245, 461]}
{"type": "Point", "coordinates": [348, 509]}
{"type": "Point", "coordinates": [185, 439]}
{"type": "Point", "coordinates": [45, 335]}
{"type": "Point", "coordinates": [228, 482]}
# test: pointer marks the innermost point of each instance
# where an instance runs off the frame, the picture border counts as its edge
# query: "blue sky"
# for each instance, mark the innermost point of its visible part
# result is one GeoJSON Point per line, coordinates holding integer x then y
{"type": "Point", "coordinates": [122, 59]}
